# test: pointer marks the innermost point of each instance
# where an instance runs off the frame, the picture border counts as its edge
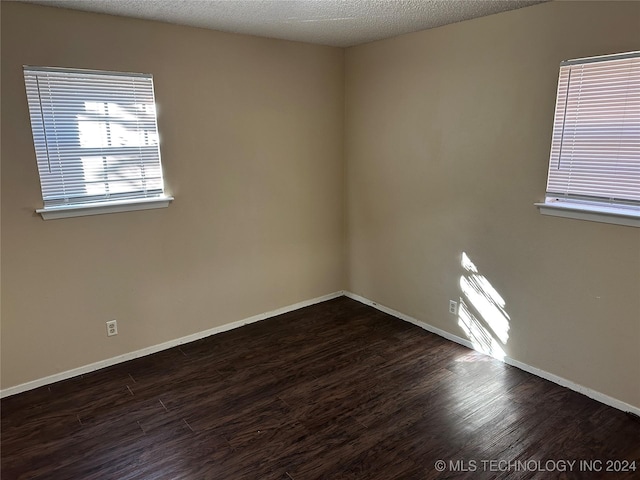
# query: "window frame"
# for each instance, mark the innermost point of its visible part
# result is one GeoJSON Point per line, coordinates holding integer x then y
{"type": "Point", "coordinates": [123, 181]}
{"type": "Point", "coordinates": [571, 204]}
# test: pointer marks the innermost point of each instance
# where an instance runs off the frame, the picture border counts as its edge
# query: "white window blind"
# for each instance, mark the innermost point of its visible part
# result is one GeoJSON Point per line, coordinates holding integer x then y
{"type": "Point", "coordinates": [595, 151]}
{"type": "Point", "coordinates": [95, 136]}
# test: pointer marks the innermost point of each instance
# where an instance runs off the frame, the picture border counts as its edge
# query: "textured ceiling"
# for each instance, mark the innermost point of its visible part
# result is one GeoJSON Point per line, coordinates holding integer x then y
{"type": "Point", "coordinates": [340, 23]}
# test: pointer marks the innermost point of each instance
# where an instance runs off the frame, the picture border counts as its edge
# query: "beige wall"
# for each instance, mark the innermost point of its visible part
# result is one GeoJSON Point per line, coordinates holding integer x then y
{"type": "Point", "coordinates": [448, 137]}
{"type": "Point", "coordinates": [251, 138]}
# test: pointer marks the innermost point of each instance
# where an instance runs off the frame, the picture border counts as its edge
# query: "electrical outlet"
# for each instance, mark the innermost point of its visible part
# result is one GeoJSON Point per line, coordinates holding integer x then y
{"type": "Point", "coordinates": [453, 306]}
{"type": "Point", "coordinates": [112, 328]}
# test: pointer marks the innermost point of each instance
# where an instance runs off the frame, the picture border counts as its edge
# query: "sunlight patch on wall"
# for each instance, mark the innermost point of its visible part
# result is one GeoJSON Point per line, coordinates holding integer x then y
{"type": "Point", "coordinates": [481, 314]}
{"type": "Point", "coordinates": [475, 331]}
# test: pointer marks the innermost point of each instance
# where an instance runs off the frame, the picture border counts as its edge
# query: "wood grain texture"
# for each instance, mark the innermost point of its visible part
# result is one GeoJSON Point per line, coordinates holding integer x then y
{"type": "Point", "coordinates": [337, 390]}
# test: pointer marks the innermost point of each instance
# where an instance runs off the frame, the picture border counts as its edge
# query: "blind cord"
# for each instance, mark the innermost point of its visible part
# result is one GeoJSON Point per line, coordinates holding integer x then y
{"type": "Point", "coordinates": [564, 118]}
{"type": "Point", "coordinates": [44, 127]}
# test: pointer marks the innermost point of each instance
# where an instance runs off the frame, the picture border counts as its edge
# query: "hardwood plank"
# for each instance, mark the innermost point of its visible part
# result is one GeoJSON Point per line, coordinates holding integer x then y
{"type": "Point", "coordinates": [336, 390]}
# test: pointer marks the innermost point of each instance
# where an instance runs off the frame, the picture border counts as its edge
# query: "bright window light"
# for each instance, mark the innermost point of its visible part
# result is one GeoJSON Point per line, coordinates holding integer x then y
{"type": "Point", "coordinates": [594, 164]}
{"type": "Point", "coordinates": [96, 139]}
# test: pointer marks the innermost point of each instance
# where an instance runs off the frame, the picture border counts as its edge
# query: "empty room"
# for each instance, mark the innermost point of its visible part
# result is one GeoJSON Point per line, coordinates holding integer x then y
{"type": "Point", "coordinates": [295, 239]}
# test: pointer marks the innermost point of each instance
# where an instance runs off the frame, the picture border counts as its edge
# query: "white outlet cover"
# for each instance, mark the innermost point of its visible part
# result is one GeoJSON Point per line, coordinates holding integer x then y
{"type": "Point", "coordinates": [112, 328]}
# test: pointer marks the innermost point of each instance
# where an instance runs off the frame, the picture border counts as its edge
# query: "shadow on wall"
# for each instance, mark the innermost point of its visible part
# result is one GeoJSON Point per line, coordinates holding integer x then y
{"type": "Point", "coordinates": [481, 313]}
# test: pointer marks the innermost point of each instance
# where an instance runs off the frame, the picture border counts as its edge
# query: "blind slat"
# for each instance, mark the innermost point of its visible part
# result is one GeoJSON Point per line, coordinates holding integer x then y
{"type": "Point", "coordinates": [595, 149]}
{"type": "Point", "coordinates": [95, 135]}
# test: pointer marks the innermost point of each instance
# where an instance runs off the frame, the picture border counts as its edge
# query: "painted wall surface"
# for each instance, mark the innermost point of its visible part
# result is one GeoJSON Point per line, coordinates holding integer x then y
{"type": "Point", "coordinates": [448, 139]}
{"type": "Point", "coordinates": [252, 147]}
{"type": "Point", "coordinates": [442, 152]}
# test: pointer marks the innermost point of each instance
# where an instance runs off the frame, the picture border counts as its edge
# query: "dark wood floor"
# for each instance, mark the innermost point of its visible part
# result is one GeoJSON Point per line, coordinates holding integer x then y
{"type": "Point", "coordinates": [333, 391]}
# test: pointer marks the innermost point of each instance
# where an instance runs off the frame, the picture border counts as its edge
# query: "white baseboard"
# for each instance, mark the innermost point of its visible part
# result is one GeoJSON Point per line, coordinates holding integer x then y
{"type": "Point", "coordinates": [600, 397]}
{"type": "Point", "coordinates": [407, 318]}
{"type": "Point", "coordinates": [23, 387]}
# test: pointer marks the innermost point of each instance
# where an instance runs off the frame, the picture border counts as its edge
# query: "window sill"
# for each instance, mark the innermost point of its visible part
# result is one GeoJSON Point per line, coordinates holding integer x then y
{"type": "Point", "coordinates": [64, 211]}
{"type": "Point", "coordinates": [593, 213]}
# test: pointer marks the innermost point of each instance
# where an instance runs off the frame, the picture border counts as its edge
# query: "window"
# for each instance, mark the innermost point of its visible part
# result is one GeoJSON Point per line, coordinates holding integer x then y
{"type": "Point", "coordinates": [96, 141]}
{"type": "Point", "coordinates": [594, 168]}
